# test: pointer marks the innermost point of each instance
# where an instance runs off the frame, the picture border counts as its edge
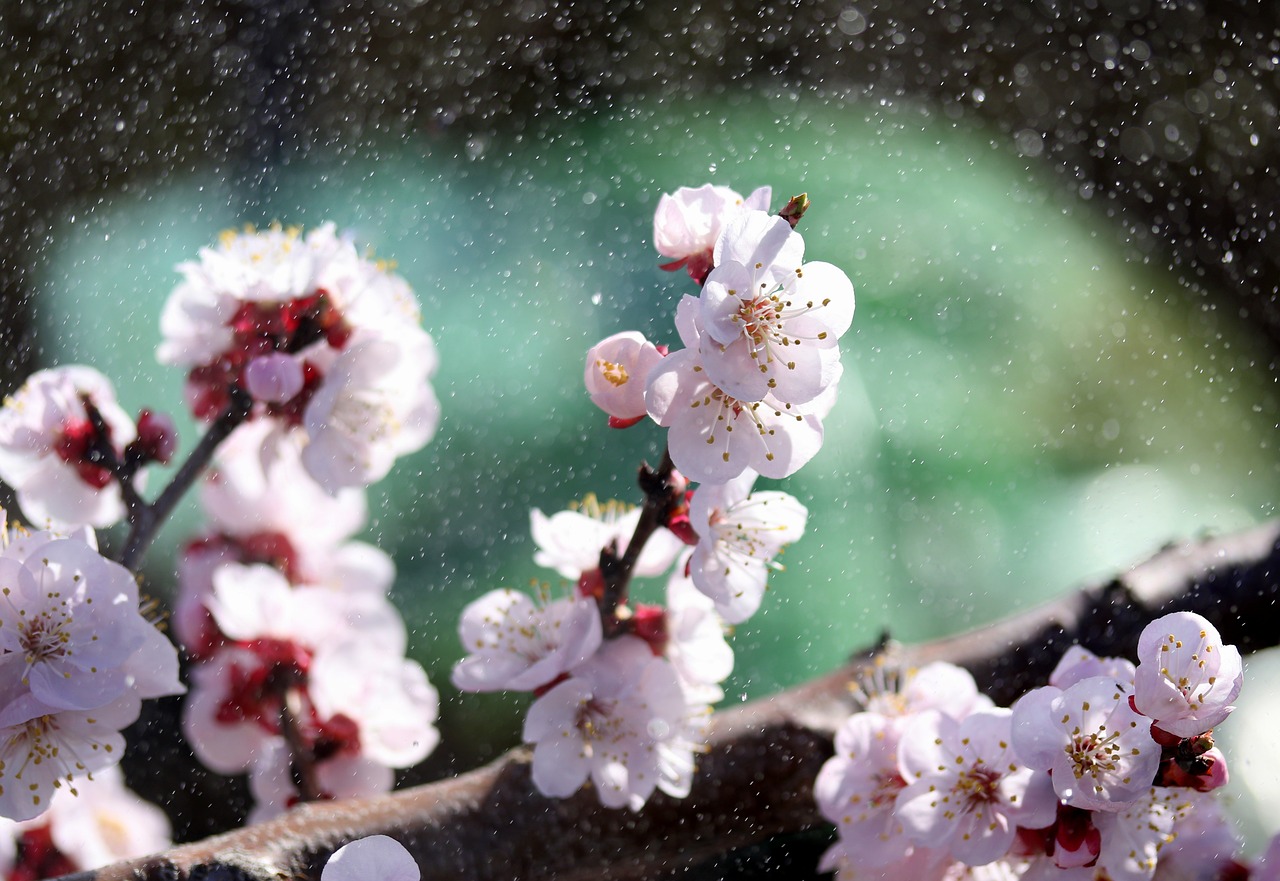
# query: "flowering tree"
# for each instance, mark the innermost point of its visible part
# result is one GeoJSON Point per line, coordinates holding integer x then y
{"type": "Point", "coordinates": [309, 364]}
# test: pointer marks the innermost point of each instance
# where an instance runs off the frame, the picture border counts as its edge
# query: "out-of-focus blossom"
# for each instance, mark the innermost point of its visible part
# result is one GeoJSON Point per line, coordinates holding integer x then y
{"type": "Point", "coordinates": [688, 223]}
{"type": "Point", "coordinates": [48, 443]}
{"type": "Point", "coordinates": [376, 858]}
{"type": "Point", "coordinates": [1079, 663]}
{"type": "Point", "coordinates": [346, 774]}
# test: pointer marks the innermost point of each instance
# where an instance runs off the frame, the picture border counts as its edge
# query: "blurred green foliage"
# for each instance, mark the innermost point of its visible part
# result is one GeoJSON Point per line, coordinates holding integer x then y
{"type": "Point", "coordinates": [1022, 408]}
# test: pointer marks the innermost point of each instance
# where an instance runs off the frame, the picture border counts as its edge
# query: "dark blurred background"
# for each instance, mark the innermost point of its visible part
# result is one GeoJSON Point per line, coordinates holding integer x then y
{"type": "Point", "coordinates": [1060, 217]}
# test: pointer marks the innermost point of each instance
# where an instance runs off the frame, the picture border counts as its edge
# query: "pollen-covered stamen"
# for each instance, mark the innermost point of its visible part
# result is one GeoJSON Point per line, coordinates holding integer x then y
{"type": "Point", "coordinates": [729, 410]}
{"type": "Point", "coordinates": [597, 722]}
{"type": "Point", "coordinates": [765, 318]}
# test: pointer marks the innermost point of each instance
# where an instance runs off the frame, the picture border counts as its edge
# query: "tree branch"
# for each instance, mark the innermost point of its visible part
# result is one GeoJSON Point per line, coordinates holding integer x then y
{"type": "Point", "coordinates": [756, 779]}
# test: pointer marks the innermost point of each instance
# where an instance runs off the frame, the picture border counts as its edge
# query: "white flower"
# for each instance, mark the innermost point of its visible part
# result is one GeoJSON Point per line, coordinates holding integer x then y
{"type": "Point", "coordinates": [1099, 752]}
{"type": "Point", "coordinates": [105, 821]}
{"type": "Point", "coordinates": [375, 404]}
{"type": "Point", "coordinates": [46, 448]}
{"type": "Point", "coordinates": [515, 644]}
{"type": "Point", "coordinates": [966, 789]}
{"type": "Point", "coordinates": [616, 372]}
{"type": "Point", "coordinates": [898, 693]}
{"type": "Point", "coordinates": [696, 642]}
{"type": "Point", "coordinates": [1186, 678]}
{"type": "Point", "coordinates": [772, 325]}
{"type": "Point", "coordinates": [1134, 838]}
{"type": "Point", "coordinates": [44, 748]}
{"type": "Point", "coordinates": [73, 619]}
{"type": "Point", "coordinates": [857, 786]}
{"type": "Point", "coordinates": [621, 719]}
{"type": "Point", "coordinates": [386, 695]}
{"type": "Point", "coordinates": [376, 858]}
{"type": "Point", "coordinates": [739, 534]}
{"type": "Point", "coordinates": [570, 541]}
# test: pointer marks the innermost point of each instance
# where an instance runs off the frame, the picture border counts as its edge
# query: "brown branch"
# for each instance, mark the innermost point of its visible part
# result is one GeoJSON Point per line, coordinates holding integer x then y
{"type": "Point", "coordinates": [755, 780]}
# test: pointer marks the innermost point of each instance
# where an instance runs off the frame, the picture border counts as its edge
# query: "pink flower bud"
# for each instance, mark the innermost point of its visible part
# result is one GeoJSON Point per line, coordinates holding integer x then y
{"type": "Point", "coordinates": [157, 439]}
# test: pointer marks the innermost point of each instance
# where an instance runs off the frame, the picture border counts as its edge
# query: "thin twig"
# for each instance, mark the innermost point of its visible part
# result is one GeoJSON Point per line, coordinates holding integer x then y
{"type": "Point", "coordinates": [617, 571]}
{"type": "Point", "coordinates": [146, 521]}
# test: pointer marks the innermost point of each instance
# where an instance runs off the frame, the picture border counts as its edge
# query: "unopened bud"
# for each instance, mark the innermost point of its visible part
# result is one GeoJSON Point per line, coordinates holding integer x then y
{"type": "Point", "coordinates": [795, 209]}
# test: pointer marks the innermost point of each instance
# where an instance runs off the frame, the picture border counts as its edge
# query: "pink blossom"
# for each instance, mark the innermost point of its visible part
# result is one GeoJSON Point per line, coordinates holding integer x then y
{"type": "Point", "coordinates": [375, 858]}
{"type": "Point", "coordinates": [688, 223]}
{"type": "Point", "coordinates": [516, 644]}
{"type": "Point", "coordinates": [617, 370]}
{"type": "Point", "coordinates": [898, 693]}
{"type": "Point", "coordinates": [857, 787]}
{"type": "Point", "coordinates": [740, 534]}
{"type": "Point", "coordinates": [388, 696]}
{"type": "Point", "coordinates": [1098, 750]}
{"type": "Point", "coordinates": [966, 789]}
{"type": "Point", "coordinates": [1186, 678]}
{"type": "Point", "coordinates": [620, 719]}
{"type": "Point", "coordinates": [1134, 837]}
{"type": "Point", "coordinates": [772, 324]}
{"type": "Point", "coordinates": [696, 644]}
{"type": "Point", "coordinates": [46, 448]}
{"type": "Point", "coordinates": [1204, 844]}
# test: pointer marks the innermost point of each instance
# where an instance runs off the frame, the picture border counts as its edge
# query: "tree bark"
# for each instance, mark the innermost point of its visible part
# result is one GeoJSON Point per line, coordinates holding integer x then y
{"type": "Point", "coordinates": [755, 781]}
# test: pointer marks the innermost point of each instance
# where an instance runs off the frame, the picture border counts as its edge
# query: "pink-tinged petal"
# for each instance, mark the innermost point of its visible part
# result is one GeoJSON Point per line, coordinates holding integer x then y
{"type": "Point", "coordinates": [727, 287]}
{"type": "Point", "coordinates": [754, 237]}
{"type": "Point", "coordinates": [375, 858]}
{"type": "Point", "coordinates": [1036, 739]}
{"type": "Point", "coordinates": [617, 370]}
{"type": "Point", "coordinates": [1186, 678]}
{"type": "Point", "coordinates": [759, 199]}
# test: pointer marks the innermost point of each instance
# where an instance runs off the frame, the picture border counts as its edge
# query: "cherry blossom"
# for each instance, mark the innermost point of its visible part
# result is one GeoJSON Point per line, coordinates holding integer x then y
{"type": "Point", "coordinates": [714, 437]}
{"type": "Point", "coordinates": [514, 643]}
{"type": "Point", "coordinates": [1097, 748]}
{"type": "Point", "coordinates": [73, 618]}
{"type": "Point", "coordinates": [48, 448]}
{"type": "Point", "coordinates": [857, 788]}
{"type": "Point", "coordinates": [1186, 678]}
{"type": "Point", "coordinates": [966, 789]}
{"type": "Point", "coordinates": [617, 369]}
{"type": "Point", "coordinates": [688, 223]}
{"type": "Point", "coordinates": [44, 748]}
{"type": "Point", "coordinates": [374, 406]}
{"type": "Point", "coordinates": [772, 323]}
{"type": "Point", "coordinates": [740, 533]}
{"type": "Point", "coordinates": [897, 693]}
{"type": "Point", "coordinates": [570, 541]}
{"type": "Point", "coordinates": [388, 696]}
{"type": "Point", "coordinates": [620, 719]}
{"type": "Point", "coordinates": [105, 821]}
{"type": "Point", "coordinates": [696, 643]}
{"type": "Point", "coordinates": [375, 858]}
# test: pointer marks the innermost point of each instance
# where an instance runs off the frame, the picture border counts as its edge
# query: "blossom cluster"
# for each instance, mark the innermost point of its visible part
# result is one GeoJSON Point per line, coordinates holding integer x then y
{"type": "Point", "coordinates": [1102, 775]}
{"type": "Point", "coordinates": [310, 363]}
{"type": "Point", "coordinates": [326, 343]}
{"type": "Point", "coordinates": [623, 689]}
{"type": "Point", "coordinates": [301, 678]}
{"type": "Point", "coordinates": [77, 657]}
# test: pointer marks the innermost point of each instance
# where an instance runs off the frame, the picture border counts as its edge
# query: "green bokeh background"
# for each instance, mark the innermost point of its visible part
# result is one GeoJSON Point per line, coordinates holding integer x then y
{"type": "Point", "coordinates": [1022, 407]}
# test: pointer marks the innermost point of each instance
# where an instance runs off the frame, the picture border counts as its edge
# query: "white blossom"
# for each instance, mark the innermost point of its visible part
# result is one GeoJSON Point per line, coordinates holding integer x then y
{"type": "Point", "coordinates": [1186, 678]}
